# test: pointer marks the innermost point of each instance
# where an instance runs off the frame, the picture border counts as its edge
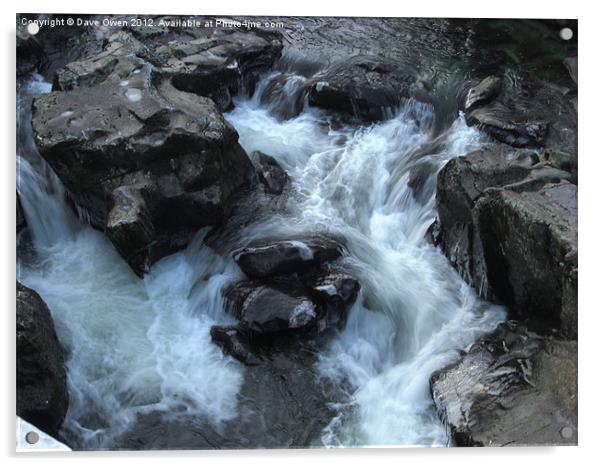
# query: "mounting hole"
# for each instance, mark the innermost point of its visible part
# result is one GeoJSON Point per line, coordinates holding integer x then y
{"type": "Point", "coordinates": [566, 33]}
{"type": "Point", "coordinates": [566, 432]}
{"type": "Point", "coordinates": [33, 28]}
{"type": "Point", "coordinates": [32, 438]}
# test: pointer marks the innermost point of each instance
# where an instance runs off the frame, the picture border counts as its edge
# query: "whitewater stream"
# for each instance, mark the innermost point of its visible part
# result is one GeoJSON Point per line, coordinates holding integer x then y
{"type": "Point", "coordinates": [136, 346]}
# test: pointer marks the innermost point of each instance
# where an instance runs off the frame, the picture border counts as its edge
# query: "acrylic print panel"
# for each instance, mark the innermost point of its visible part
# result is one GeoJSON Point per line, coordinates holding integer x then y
{"type": "Point", "coordinates": [295, 232]}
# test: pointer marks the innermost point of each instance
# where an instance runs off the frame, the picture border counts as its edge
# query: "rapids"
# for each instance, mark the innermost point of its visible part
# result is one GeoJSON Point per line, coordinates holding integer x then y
{"type": "Point", "coordinates": [137, 346]}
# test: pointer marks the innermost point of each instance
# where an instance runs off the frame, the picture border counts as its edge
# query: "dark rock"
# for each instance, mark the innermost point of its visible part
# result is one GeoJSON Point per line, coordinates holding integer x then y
{"type": "Point", "coordinates": [216, 62]}
{"type": "Point", "coordinates": [52, 47]}
{"type": "Point", "coordinates": [149, 164]}
{"type": "Point", "coordinates": [562, 161]}
{"type": "Point", "coordinates": [364, 87]}
{"type": "Point", "coordinates": [234, 343]}
{"type": "Point", "coordinates": [505, 125]}
{"type": "Point", "coordinates": [529, 242]}
{"type": "Point", "coordinates": [264, 310]}
{"type": "Point", "coordinates": [285, 95]}
{"type": "Point", "coordinates": [513, 387]}
{"type": "Point", "coordinates": [212, 63]}
{"type": "Point", "coordinates": [459, 185]}
{"type": "Point", "coordinates": [560, 109]}
{"type": "Point", "coordinates": [530, 114]}
{"type": "Point", "coordinates": [117, 61]}
{"type": "Point", "coordinates": [508, 224]}
{"type": "Point", "coordinates": [270, 173]}
{"type": "Point", "coordinates": [286, 257]}
{"type": "Point", "coordinates": [42, 396]}
{"type": "Point", "coordinates": [483, 93]}
{"type": "Point", "coordinates": [266, 197]}
{"type": "Point", "coordinates": [337, 292]}
{"type": "Point", "coordinates": [281, 404]}
{"type": "Point", "coordinates": [21, 221]}
{"type": "Point", "coordinates": [288, 305]}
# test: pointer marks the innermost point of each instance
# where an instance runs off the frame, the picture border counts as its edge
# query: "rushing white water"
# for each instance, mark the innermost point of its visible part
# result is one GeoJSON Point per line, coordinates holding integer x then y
{"type": "Point", "coordinates": [134, 345]}
{"type": "Point", "coordinates": [414, 312]}
{"type": "Point", "coordinates": [141, 345]}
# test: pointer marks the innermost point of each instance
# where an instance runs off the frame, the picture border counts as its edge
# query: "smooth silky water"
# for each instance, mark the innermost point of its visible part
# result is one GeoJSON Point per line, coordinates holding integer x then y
{"type": "Point", "coordinates": [137, 346]}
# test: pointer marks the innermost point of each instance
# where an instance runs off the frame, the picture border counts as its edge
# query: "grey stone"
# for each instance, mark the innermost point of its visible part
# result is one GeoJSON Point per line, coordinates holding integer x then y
{"type": "Point", "coordinates": [513, 387]}
{"type": "Point", "coordinates": [42, 396]}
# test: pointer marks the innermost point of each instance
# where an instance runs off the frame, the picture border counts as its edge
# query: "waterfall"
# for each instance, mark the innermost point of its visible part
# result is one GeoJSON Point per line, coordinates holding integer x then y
{"type": "Point", "coordinates": [136, 346]}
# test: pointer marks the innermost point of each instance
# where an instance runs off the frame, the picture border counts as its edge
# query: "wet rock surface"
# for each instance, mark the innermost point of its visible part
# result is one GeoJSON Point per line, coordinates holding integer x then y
{"type": "Point", "coordinates": [149, 165]}
{"type": "Point", "coordinates": [530, 247]}
{"type": "Point", "coordinates": [501, 120]}
{"type": "Point", "coordinates": [302, 300]}
{"type": "Point", "coordinates": [42, 396]}
{"type": "Point", "coordinates": [263, 309]}
{"type": "Point", "coordinates": [513, 387]}
{"type": "Point", "coordinates": [136, 135]}
{"type": "Point", "coordinates": [273, 177]}
{"type": "Point", "coordinates": [285, 257]}
{"type": "Point", "coordinates": [536, 114]}
{"type": "Point", "coordinates": [216, 64]}
{"type": "Point", "coordinates": [508, 223]}
{"type": "Point", "coordinates": [364, 87]}
{"type": "Point", "coordinates": [267, 194]}
{"type": "Point", "coordinates": [462, 182]}
{"type": "Point", "coordinates": [281, 405]}
{"type": "Point", "coordinates": [294, 290]}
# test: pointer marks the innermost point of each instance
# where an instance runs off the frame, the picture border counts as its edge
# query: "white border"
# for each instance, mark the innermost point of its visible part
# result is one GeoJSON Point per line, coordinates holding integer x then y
{"type": "Point", "coordinates": [590, 183]}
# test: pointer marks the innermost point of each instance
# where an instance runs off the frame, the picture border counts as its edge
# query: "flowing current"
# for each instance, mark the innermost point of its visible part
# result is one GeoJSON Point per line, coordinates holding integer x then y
{"type": "Point", "coordinates": [137, 346]}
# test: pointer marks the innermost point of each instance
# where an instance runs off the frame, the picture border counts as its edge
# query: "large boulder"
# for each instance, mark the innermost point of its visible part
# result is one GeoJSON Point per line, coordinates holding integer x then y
{"type": "Point", "coordinates": [364, 87]}
{"type": "Point", "coordinates": [137, 137]}
{"type": "Point", "coordinates": [290, 305]}
{"type": "Point", "coordinates": [513, 387]}
{"type": "Point", "coordinates": [507, 221]}
{"type": "Point", "coordinates": [214, 63]}
{"type": "Point", "coordinates": [42, 396]}
{"type": "Point", "coordinates": [529, 242]}
{"type": "Point", "coordinates": [288, 256]}
{"type": "Point", "coordinates": [462, 182]}
{"type": "Point", "coordinates": [499, 118]}
{"type": "Point", "coordinates": [149, 163]}
{"type": "Point", "coordinates": [265, 310]}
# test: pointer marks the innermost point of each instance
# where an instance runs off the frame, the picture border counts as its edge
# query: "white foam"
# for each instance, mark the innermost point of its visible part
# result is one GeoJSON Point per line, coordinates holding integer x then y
{"type": "Point", "coordinates": [330, 290]}
{"type": "Point", "coordinates": [133, 94]}
{"type": "Point", "coordinates": [304, 250]}
{"type": "Point", "coordinates": [302, 314]}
